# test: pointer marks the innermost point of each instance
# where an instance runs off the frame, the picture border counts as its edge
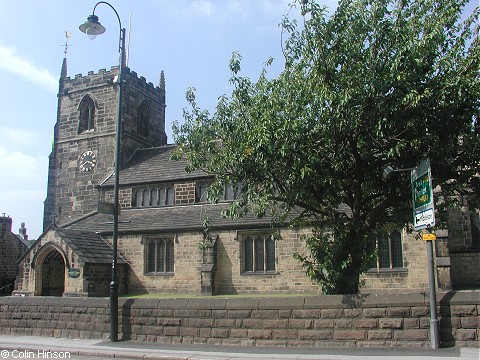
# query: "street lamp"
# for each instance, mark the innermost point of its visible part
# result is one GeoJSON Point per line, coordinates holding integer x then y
{"type": "Point", "coordinates": [421, 168]}
{"type": "Point", "coordinates": [388, 170]}
{"type": "Point", "coordinates": [92, 28]}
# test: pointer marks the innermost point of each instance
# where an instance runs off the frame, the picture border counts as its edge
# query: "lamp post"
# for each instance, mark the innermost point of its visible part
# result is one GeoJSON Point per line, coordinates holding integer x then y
{"type": "Point", "coordinates": [388, 170]}
{"type": "Point", "coordinates": [92, 28]}
{"type": "Point", "coordinates": [422, 168]}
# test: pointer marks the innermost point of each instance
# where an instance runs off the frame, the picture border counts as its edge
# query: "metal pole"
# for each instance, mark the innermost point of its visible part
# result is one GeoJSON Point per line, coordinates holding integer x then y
{"type": "Point", "coordinates": [114, 283]}
{"type": "Point", "coordinates": [93, 27]}
{"type": "Point", "coordinates": [434, 326]}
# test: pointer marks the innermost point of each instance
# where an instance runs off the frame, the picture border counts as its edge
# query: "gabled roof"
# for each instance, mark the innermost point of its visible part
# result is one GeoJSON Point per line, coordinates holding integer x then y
{"type": "Point", "coordinates": [26, 243]}
{"type": "Point", "coordinates": [154, 165]}
{"type": "Point", "coordinates": [171, 219]}
{"type": "Point", "coordinates": [89, 246]}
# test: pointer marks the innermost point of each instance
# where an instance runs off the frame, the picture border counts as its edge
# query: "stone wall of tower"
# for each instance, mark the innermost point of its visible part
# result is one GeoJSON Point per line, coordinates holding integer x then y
{"type": "Point", "coordinates": [464, 246]}
{"type": "Point", "coordinates": [135, 93]}
{"type": "Point", "coordinates": [75, 191]}
{"type": "Point", "coordinates": [11, 249]}
{"type": "Point", "coordinates": [49, 204]}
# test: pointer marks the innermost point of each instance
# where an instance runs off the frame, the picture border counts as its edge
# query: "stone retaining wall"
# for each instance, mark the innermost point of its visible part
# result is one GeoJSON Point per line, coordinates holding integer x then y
{"type": "Point", "coordinates": [316, 321]}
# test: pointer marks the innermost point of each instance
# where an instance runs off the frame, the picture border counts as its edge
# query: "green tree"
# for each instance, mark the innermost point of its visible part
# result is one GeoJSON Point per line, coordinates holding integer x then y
{"type": "Point", "coordinates": [378, 82]}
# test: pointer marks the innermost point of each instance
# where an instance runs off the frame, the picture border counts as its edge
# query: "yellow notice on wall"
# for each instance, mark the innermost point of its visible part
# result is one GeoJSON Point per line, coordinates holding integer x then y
{"type": "Point", "coordinates": [429, 237]}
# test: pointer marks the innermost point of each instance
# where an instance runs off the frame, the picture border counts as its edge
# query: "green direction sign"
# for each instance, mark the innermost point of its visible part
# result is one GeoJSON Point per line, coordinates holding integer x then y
{"type": "Point", "coordinates": [422, 190]}
{"type": "Point", "coordinates": [422, 196]}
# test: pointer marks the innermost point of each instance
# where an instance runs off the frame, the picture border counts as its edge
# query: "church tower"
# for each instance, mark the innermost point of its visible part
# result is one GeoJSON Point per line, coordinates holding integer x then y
{"type": "Point", "coordinates": [84, 136]}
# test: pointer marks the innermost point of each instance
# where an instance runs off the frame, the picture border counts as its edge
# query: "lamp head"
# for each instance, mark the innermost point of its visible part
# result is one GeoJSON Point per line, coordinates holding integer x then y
{"type": "Point", "coordinates": [92, 27]}
{"type": "Point", "coordinates": [387, 171]}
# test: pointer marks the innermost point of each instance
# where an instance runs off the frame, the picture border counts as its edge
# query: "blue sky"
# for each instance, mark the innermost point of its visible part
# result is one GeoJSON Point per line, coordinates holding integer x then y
{"type": "Point", "coordinates": [190, 40]}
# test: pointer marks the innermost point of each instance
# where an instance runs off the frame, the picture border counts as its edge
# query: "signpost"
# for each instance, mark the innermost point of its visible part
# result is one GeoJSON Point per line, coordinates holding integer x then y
{"type": "Point", "coordinates": [424, 218]}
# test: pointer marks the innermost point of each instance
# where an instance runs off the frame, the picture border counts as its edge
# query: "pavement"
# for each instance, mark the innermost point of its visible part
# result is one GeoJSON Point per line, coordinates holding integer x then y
{"type": "Point", "coordinates": [34, 347]}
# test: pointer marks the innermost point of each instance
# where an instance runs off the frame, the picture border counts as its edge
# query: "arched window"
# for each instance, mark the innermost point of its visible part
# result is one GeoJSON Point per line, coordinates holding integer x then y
{"type": "Point", "coordinates": [396, 248]}
{"type": "Point", "coordinates": [166, 196]}
{"type": "Point", "coordinates": [138, 198]}
{"type": "Point", "coordinates": [170, 196]}
{"type": "Point", "coordinates": [163, 196]}
{"type": "Point", "coordinates": [229, 193]}
{"type": "Point", "coordinates": [248, 253]}
{"type": "Point", "coordinates": [143, 118]}
{"type": "Point", "coordinates": [146, 197]}
{"type": "Point", "coordinates": [87, 115]}
{"type": "Point", "coordinates": [154, 197]}
{"type": "Point", "coordinates": [202, 192]}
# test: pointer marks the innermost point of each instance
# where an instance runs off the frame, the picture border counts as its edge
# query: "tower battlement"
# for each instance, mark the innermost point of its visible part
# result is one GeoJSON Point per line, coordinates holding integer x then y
{"type": "Point", "coordinates": [105, 77]}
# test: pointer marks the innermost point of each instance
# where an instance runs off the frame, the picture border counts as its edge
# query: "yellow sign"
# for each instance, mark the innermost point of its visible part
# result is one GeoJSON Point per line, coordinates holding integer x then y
{"type": "Point", "coordinates": [429, 237]}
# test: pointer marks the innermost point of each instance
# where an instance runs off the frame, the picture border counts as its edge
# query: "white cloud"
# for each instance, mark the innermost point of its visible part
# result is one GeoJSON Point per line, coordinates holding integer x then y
{"type": "Point", "coordinates": [23, 188]}
{"type": "Point", "coordinates": [200, 8]}
{"type": "Point", "coordinates": [16, 136]}
{"type": "Point", "coordinates": [20, 170]}
{"type": "Point", "coordinates": [15, 64]}
{"type": "Point", "coordinates": [274, 6]}
{"type": "Point", "coordinates": [238, 6]}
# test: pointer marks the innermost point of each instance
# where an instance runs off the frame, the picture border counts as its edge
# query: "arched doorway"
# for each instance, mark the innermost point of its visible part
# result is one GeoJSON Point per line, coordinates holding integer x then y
{"type": "Point", "coordinates": [53, 274]}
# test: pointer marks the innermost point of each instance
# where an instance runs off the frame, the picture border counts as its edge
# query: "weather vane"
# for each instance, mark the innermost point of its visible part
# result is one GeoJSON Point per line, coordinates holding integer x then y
{"type": "Point", "coordinates": [68, 35]}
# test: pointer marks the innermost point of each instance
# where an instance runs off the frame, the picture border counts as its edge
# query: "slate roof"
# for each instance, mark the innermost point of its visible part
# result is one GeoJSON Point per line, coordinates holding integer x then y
{"type": "Point", "coordinates": [26, 243]}
{"type": "Point", "coordinates": [171, 219]}
{"type": "Point", "coordinates": [154, 165]}
{"type": "Point", "coordinates": [88, 246]}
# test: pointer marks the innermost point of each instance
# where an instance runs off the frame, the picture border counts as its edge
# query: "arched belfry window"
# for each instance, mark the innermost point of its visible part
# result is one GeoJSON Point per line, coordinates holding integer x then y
{"type": "Point", "coordinates": [143, 119]}
{"type": "Point", "coordinates": [87, 114]}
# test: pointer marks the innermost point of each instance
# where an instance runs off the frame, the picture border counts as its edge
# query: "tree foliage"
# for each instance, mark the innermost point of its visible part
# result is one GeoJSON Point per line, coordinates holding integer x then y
{"type": "Point", "coordinates": [378, 82]}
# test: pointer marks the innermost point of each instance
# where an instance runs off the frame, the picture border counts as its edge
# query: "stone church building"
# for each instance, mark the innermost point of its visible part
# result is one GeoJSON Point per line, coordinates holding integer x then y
{"type": "Point", "coordinates": [162, 243]}
{"type": "Point", "coordinates": [12, 247]}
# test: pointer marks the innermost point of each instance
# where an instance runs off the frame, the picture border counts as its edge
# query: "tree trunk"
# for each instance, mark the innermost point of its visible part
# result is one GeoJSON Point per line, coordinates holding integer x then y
{"type": "Point", "coordinates": [347, 283]}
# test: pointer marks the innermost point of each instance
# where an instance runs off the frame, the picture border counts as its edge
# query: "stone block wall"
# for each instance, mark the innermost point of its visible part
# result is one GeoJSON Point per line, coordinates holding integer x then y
{"type": "Point", "coordinates": [11, 249]}
{"type": "Point", "coordinates": [466, 269]}
{"type": "Point", "coordinates": [317, 321]}
{"type": "Point", "coordinates": [459, 228]}
{"type": "Point", "coordinates": [188, 262]}
{"type": "Point", "coordinates": [288, 277]}
{"type": "Point", "coordinates": [412, 275]}
{"type": "Point", "coordinates": [184, 193]}
{"type": "Point", "coordinates": [136, 91]}
{"type": "Point", "coordinates": [73, 193]}
{"type": "Point", "coordinates": [464, 247]}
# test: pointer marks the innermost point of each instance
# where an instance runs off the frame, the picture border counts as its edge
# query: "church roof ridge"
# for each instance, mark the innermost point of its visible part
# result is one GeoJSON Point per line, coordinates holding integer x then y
{"type": "Point", "coordinates": [154, 165]}
{"type": "Point", "coordinates": [170, 219]}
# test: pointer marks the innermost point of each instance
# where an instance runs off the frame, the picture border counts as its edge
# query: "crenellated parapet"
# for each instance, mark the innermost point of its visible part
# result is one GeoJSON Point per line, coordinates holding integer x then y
{"type": "Point", "coordinates": [106, 77]}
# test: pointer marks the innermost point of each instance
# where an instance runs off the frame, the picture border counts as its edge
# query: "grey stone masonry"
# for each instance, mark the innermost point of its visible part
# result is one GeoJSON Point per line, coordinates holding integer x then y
{"type": "Point", "coordinates": [72, 192]}
{"type": "Point", "coordinates": [400, 320]}
{"type": "Point", "coordinates": [12, 247]}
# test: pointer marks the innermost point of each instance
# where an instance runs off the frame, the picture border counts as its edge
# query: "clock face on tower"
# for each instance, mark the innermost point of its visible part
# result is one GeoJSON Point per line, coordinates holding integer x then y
{"type": "Point", "coordinates": [87, 161]}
